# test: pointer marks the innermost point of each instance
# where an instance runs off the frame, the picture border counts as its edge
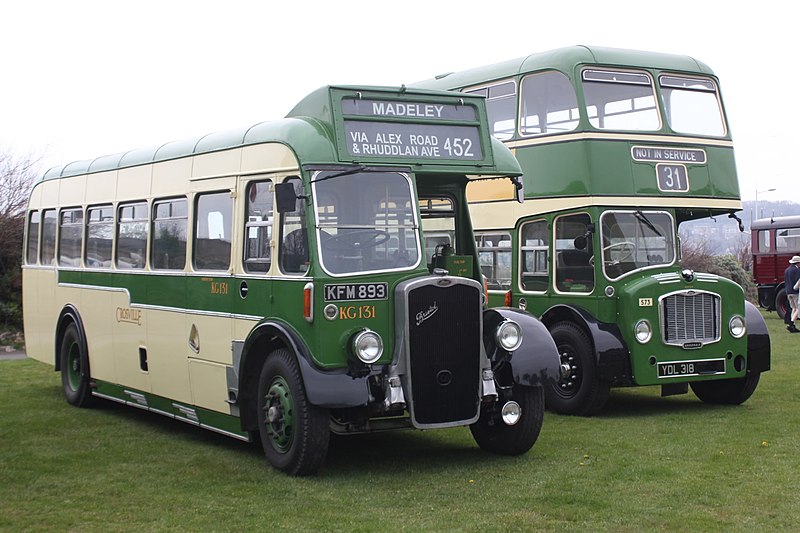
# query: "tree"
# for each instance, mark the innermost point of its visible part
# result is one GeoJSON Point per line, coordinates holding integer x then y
{"type": "Point", "coordinates": [17, 175]}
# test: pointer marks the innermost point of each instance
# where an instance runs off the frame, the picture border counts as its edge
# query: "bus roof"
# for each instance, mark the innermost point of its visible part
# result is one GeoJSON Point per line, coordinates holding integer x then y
{"type": "Point", "coordinates": [309, 129]}
{"type": "Point", "coordinates": [565, 59]}
{"type": "Point", "coordinates": [792, 221]}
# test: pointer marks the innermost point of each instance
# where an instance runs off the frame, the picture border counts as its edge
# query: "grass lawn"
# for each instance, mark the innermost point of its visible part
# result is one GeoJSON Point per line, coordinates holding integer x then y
{"type": "Point", "coordinates": [645, 464]}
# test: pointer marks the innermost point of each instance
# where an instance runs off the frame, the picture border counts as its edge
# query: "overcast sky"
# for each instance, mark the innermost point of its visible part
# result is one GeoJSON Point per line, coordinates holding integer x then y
{"type": "Point", "coordinates": [88, 78]}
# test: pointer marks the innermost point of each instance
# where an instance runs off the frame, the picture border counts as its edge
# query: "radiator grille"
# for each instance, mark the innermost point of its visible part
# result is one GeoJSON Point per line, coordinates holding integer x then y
{"type": "Point", "coordinates": [690, 317]}
{"type": "Point", "coordinates": [444, 352]}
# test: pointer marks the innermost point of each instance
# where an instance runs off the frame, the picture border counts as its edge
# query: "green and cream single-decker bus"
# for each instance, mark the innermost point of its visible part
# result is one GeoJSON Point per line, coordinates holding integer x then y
{"type": "Point", "coordinates": [273, 282]}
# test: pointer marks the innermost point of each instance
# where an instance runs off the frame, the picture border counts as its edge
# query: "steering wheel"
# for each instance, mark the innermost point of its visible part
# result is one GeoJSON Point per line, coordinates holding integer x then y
{"type": "Point", "coordinates": [627, 247]}
{"type": "Point", "coordinates": [355, 240]}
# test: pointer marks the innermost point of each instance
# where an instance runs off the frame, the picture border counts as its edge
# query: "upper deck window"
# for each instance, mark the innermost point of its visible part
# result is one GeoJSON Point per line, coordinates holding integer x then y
{"type": "Point", "coordinates": [692, 105]}
{"type": "Point", "coordinates": [548, 104]}
{"type": "Point", "coordinates": [366, 222]}
{"type": "Point", "coordinates": [618, 100]}
{"type": "Point", "coordinates": [501, 108]}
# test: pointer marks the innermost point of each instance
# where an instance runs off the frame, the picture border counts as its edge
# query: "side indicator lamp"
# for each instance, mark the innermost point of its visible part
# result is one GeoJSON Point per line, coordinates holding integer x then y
{"type": "Point", "coordinates": [308, 302]}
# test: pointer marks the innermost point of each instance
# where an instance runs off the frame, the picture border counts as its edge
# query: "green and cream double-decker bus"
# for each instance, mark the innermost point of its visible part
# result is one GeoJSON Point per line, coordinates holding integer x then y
{"type": "Point", "coordinates": [271, 282]}
{"type": "Point", "coordinates": [618, 148]}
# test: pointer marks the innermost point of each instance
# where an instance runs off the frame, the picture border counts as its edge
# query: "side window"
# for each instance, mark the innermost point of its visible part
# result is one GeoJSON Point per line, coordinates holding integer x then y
{"type": "Point", "coordinates": [573, 249]}
{"type": "Point", "coordinates": [501, 108]}
{"type": "Point", "coordinates": [534, 263]}
{"type": "Point", "coordinates": [70, 238]}
{"type": "Point", "coordinates": [212, 231]}
{"type": "Point", "coordinates": [258, 227]}
{"type": "Point", "coordinates": [494, 255]}
{"type": "Point", "coordinates": [32, 252]}
{"type": "Point", "coordinates": [132, 235]}
{"type": "Point", "coordinates": [763, 241]}
{"type": "Point", "coordinates": [170, 221]}
{"type": "Point", "coordinates": [99, 236]}
{"type": "Point", "coordinates": [787, 240]}
{"type": "Point", "coordinates": [549, 104]}
{"type": "Point", "coordinates": [294, 236]}
{"type": "Point", "coordinates": [49, 237]}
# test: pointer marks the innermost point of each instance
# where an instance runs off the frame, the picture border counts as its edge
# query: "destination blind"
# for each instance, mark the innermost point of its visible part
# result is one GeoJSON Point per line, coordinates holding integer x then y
{"type": "Point", "coordinates": [416, 135]}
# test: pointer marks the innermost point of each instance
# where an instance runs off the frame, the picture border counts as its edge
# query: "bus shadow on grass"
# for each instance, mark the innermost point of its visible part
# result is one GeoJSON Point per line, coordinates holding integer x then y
{"type": "Point", "coordinates": [630, 403]}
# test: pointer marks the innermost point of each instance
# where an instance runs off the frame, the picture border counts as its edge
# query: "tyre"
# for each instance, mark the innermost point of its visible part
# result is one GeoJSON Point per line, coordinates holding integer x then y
{"type": "Point", "coordinates": [493, 435]}
{"type": "Point", "coordinates": [726, 391]}
{"type": "Point", "coordinates": [294, 433]}
{"type": "Point", "coordinates": [580, 392]}
{"type": "Point", "coordinates": [74, 362]}
{"type": "Point", "coordinates": [782, 305]}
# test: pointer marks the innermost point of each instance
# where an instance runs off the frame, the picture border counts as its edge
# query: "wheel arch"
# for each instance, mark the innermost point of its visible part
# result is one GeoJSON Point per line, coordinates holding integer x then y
{"type": "Point", "coordinates": [610, 349]}
{"type": "Point", "coordinates": [69, 315]}
{"type": "Point", "coordinates": [323, 388]}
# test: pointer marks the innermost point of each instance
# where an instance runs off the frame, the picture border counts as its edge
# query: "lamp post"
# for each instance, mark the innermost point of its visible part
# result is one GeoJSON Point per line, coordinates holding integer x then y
{"type": "Point", "coordinates": [758, 215]}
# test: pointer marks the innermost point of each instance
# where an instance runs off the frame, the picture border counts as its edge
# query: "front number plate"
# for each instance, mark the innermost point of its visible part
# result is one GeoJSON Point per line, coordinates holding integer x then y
{"type": "Point", "coordinates": [338, 292]}
{"type": "Point", "coordinates": [705, 367]}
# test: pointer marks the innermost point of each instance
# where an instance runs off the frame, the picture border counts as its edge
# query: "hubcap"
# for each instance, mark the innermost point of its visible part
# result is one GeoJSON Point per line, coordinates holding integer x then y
{"type": "Point", "coordinates": [74, 366]}
{"type": "Point", "coordinates": [279, 415]}
{"type": "Point", "coordinates": [570, 380]}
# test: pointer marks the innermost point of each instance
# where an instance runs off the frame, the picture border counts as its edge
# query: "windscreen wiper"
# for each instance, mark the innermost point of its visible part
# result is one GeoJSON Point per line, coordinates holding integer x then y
{"type": "Point", "coordinates": [642, 218]}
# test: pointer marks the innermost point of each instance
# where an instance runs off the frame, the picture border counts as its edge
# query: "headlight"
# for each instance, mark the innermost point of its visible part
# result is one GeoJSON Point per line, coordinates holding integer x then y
{"type": "Point", "coordinates": [367, 346]}
{"type": "Point", "coordinates": [643, 331]}
{"type": "Point", "coordinates": [737, 327]}
{"type": "Point", "coordinates": [508, 335]}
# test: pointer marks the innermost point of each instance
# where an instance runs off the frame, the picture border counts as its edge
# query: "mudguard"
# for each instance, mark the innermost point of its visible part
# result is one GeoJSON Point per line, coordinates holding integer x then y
{"type": "Point", "coordinates": [536, 361]}
{"type": "Point", "coordinates": [324, 388]}
{"type": "Point", "coordinates": [758, 345]}
{"type": "Point", "coordinates": [610, 350]}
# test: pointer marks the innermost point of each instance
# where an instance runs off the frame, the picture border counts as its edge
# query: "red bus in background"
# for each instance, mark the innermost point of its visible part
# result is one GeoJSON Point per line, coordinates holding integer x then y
{"type": "Point", "coordinates": [774, 241]}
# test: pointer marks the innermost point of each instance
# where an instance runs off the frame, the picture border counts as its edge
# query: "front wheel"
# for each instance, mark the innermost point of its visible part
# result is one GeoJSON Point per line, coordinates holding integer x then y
{"type": "Point", "coordinates": [580, 391]}
{"type": "Point", "coordinates": [74, 364]}
{"type": "Point", "coordinates": [494, 435]}
{"type": "Point", "coordinates": [294, 433]}
{"type": "Point", "coordinates": [726, 391]}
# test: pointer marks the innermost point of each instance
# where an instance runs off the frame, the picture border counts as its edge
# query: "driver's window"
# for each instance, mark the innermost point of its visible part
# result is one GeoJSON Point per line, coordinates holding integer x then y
{"type": "Point", "coordinates": [534, 263]}
{"type": "Point", "coordinates": [438, 225]}
{"type": "Point", "coordinates": [294, 237]}
{"type": "Point", "coordinates": [573, 250]}
{"type": "Point", "coordinates": [258, 227]}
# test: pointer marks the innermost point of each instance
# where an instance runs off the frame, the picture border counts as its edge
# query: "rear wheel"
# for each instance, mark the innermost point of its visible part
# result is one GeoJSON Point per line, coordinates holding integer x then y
{"type": "Point", "coordinates": [726, 391]}
{"type": "Point", "coordinates": [294, 433]}
{"type": "Point", "coordinates": [494, 435]}
{"type": "Point", "coordinates": [782, 305]}
{"type": "Point", "coordinates": [580, 392]}
{"type": "Point", "coordinates": [74, 364]}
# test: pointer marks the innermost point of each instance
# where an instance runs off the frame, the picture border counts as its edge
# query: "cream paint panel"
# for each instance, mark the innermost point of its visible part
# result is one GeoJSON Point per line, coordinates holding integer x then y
{"type": "Point", "coordinates": [501, 215]}
{"type": "Point", "coordinates": [99, 320]}
{"type": "Point", "coordinates": [209, 385]}
{"type": "Point", "coordinates": [134, 183]}
{"type": "Point", "coordinates": [50, 193]}
{"type": "Point", "coordinates": [167, 338]}
{"type": "Point", "coordinates": [170, 177]}
{"type": "Point", "coordinates": [101, 188]}
{"type": "Point", "coordinates": [72, 191]}
{"type": "Point", "coordinates": [272, 157]}
{"type": "Point", "coordinates": [215, 336]}
{"type": "Point", "coordinates": [46, 315]}
{"type": "Point", "coordinates": [128, 336]}
{"type": "Point", "coordinates": [36, 197]}
{"type": "Point", "coordinates": [35, 310]}
{"type": "Point", "coordinates": [217, 163]}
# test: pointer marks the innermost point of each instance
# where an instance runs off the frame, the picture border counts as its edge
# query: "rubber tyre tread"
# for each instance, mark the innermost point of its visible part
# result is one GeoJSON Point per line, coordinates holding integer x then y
{"type": "Point", "coordinates": [726, 391]}
{"type": "Point", "coordinates": [311, 438]}
{"type": "Point", "coordinates": [517, 439]}
{"type": "Point", "coordinates": [82, 396]}
{"type": "Point", "coordinates": [593, 393]}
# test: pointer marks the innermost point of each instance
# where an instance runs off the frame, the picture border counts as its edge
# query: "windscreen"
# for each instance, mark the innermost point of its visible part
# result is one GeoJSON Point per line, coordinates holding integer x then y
{"type": "Point", "coordinates": [366, 222]}
{"type": "Point", "coordinates": [636, 239]}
